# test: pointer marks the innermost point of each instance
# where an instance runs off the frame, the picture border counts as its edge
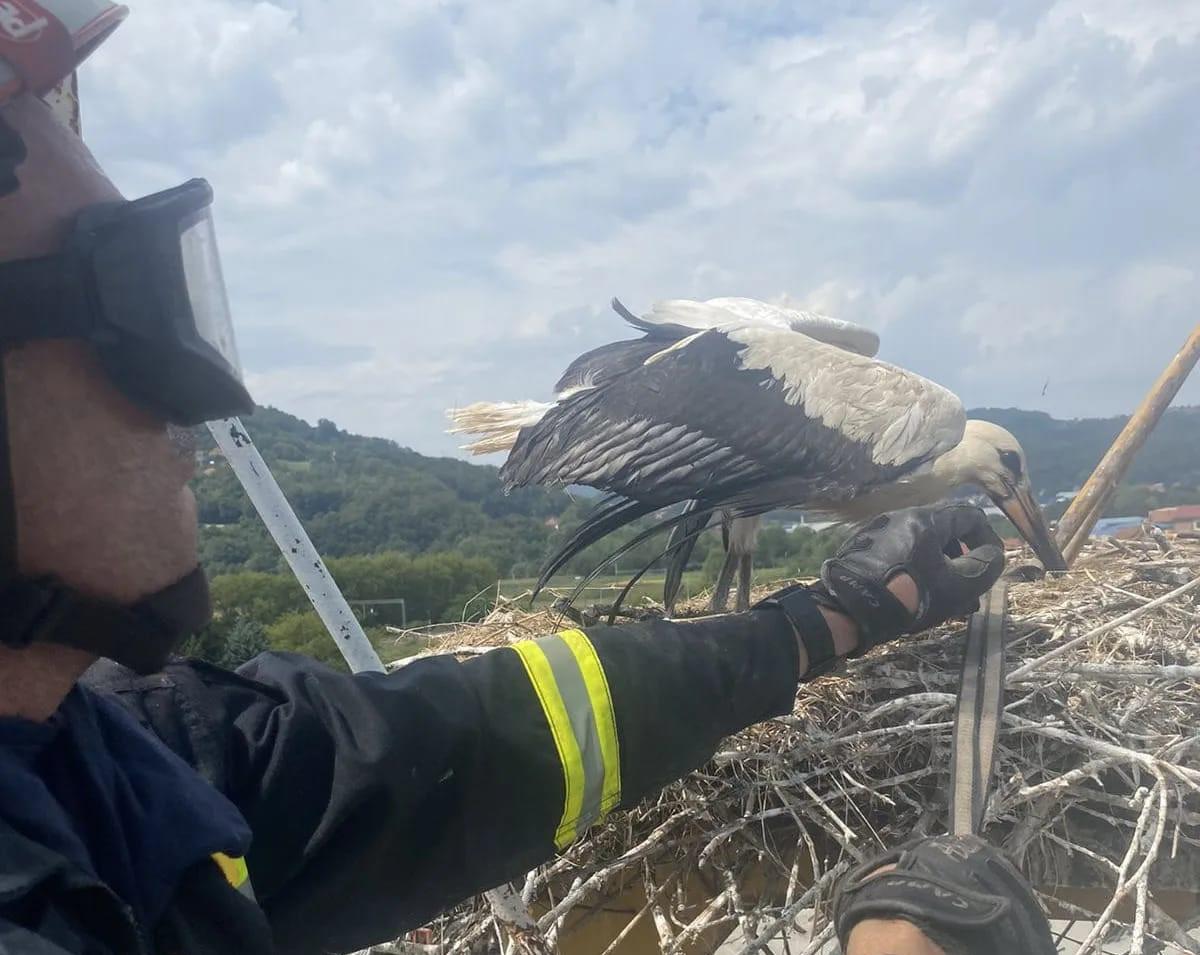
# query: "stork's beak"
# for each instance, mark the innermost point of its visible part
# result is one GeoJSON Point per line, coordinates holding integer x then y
{"type": "Point", "coordinates": [1020, 508]}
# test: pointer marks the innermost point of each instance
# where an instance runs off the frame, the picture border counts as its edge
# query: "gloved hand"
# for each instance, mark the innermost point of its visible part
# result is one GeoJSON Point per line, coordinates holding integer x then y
{"type": "Point", "coordinates": [924, 543]}
{"type": "Point", "coordinates": [958, 886]}
{"type": "Point", "coordinates": [927, 543]}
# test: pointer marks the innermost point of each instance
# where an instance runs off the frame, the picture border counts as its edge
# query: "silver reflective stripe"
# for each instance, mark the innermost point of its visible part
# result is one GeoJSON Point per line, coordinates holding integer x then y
{"type": "Point", "coordinates": [570, 684]}
{"type": "Point", "coordinates": [583, 725]}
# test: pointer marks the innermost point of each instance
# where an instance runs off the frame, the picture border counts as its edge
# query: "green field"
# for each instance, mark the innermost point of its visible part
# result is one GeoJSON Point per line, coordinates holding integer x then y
{"type": "Point", "coordinates": [605, 589]}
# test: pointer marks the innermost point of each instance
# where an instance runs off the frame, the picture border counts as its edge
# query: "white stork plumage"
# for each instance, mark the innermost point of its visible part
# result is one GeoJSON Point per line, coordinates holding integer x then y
{"type": "Point", "coordinates": [738, 407]}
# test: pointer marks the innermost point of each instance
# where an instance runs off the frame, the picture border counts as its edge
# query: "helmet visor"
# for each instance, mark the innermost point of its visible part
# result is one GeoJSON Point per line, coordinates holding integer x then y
{"type": "Point", "coordinates": [205, 286]}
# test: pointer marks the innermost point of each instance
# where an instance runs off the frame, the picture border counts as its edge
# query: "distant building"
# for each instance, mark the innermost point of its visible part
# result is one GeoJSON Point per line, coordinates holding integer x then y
{"type": "Point", "coordinates": [1065, 497]}
{"type": "Point", "coordinates": [814, 526]}
{"type": "Point", "coordinates": [1186, 517]}
{"type": "Point", "coordinates": [552, 523]}
{"type": "Point", "coordinates": [1117, 526]}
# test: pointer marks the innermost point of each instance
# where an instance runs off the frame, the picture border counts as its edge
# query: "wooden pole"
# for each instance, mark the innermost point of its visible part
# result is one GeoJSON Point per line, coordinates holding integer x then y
{"type": "Point", "coordinates": [1083, 532]}
{"type": "Point", "coordinates": [1089, 504]}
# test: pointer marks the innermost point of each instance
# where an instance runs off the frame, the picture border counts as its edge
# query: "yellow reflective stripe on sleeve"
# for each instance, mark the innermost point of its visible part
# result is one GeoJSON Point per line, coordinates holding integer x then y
{"type": "Point", "coordinates": [235, 871]}
{"type": "Point", "coordinates": [602, 710]}
{"type": "Point", "coordinates": [541, 676]}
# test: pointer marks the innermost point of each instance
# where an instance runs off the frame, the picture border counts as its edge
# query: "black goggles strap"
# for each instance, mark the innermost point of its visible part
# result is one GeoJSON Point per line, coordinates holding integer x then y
{"type": "Point", "coordinates": [43, 298]}
{"type": "Point", "coordinates": [142, 637]}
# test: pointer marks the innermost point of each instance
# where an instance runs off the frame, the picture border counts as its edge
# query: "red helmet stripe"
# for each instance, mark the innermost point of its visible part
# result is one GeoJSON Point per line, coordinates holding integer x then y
{"type": "Point", "coordinates": [35, 43]}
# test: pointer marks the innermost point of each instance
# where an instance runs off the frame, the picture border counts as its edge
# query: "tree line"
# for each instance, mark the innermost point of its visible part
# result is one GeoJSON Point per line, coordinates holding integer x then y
{"type": "Point", "coordinates": [1063, 452]}
{"type": "Point", "coordinates": [360, 495]}
{"type": "Point", "coordinates": [258, 610]}
{"type": "Point", "coordinates": [255, 610]}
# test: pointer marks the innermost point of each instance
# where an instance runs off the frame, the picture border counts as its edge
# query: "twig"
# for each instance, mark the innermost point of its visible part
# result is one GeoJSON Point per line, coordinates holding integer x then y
{"type": "Point", "coordinates": [1054, 654]}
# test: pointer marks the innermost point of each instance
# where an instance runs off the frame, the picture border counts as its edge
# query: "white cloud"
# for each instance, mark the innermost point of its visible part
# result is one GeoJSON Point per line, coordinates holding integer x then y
{"type": "Point", "coordinates": [456, 189]}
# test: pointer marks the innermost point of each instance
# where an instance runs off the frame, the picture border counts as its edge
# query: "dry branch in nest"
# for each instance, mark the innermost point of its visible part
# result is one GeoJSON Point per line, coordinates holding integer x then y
{"type": "Point", "coordinates": [1097, 778]}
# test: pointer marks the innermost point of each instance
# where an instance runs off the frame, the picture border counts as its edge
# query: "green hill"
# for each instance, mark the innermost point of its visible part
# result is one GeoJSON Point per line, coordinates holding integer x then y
{"type": "Point", "coordinates": [1062, 453]}
{"type": "Point", "coordinates": [359, 495]}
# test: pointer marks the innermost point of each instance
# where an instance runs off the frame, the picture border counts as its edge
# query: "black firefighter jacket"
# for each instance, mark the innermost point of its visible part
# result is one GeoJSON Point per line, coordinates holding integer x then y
{"type": "Point", "coordinates": [376, 801]}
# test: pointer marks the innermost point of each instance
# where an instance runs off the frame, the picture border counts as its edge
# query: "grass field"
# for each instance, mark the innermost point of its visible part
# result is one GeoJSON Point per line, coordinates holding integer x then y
{"type": "Point", "coordinates": [605, 589]}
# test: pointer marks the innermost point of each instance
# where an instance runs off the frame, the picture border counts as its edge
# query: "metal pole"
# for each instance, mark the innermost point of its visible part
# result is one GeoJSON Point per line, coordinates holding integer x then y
{"type": "Point", "coordinates": [285, 527]}
{"type": "Point", "coordinates": [1090, 502]}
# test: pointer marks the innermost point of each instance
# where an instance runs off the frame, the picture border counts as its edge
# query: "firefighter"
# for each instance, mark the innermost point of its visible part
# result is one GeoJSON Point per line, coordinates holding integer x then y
{"type": "Point", "coordinates": [151, 805]}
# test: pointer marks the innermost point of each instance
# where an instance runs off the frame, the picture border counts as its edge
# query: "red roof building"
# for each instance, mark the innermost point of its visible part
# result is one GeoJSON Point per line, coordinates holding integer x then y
{"type": "Point", "coordinates": [1186, 517]}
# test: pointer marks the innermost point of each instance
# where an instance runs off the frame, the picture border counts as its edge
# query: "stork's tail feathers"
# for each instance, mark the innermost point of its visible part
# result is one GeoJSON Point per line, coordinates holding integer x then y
{"type": "Point", "coordinates": [612, 513]}
{"type": "Point", "coordinates": [497, 423]}
{"type": "Point", "coordinates": [632, 319]}
{"type": "Point", "coordinates": [680, 547]}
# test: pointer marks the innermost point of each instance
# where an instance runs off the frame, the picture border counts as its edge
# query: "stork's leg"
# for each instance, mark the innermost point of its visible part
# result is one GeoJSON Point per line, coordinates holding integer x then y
{"type": "Point", "coordinates": [720, 594]}
{"type": "Point", "coordinates": [743, 535]}
{"type": "Point", "coordinates": [745, 571]}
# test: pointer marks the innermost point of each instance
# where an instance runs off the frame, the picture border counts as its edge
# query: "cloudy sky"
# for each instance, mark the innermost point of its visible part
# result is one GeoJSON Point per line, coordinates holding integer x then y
{"type": "Point", "coordinates": [426, 203]}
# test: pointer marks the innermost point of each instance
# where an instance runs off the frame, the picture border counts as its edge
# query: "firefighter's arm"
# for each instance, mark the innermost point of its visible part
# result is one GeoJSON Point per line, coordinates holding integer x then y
{"type": "Point", "coordinates": [378, 800]}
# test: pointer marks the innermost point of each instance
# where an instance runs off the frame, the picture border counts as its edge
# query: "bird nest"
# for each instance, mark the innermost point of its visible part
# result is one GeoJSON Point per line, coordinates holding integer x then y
{"type": "Point", "coordinates": [1096, 787]}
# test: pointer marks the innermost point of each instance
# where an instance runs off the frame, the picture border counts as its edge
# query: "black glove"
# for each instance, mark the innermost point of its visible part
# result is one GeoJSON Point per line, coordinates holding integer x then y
{"type": "Point", "coordinates": [922, 542]}
{"type": "Point", "coordinates": [959, 885]}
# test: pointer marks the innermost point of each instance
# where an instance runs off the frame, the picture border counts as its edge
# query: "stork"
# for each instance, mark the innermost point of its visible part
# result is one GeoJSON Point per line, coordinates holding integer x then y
{"type": "Point", "coordinates": [735, 407]}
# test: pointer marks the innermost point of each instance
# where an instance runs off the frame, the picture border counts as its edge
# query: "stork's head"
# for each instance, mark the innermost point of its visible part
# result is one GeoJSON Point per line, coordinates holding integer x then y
{"type": "Point", "coordinates": [990, 457]}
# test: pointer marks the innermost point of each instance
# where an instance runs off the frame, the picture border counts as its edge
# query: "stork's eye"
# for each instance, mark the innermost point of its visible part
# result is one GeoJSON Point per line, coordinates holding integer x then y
{"type": "Point", "coordinates": [1012, 462]}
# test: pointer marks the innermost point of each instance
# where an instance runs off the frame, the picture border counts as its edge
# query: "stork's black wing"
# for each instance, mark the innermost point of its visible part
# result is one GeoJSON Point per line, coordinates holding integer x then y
{"type": "Point", "coordinates": [728, 411]}
{"type": "Point", "coordinates": [743, 418]}
{"type": "Point", "coordinates": [606, 362]}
